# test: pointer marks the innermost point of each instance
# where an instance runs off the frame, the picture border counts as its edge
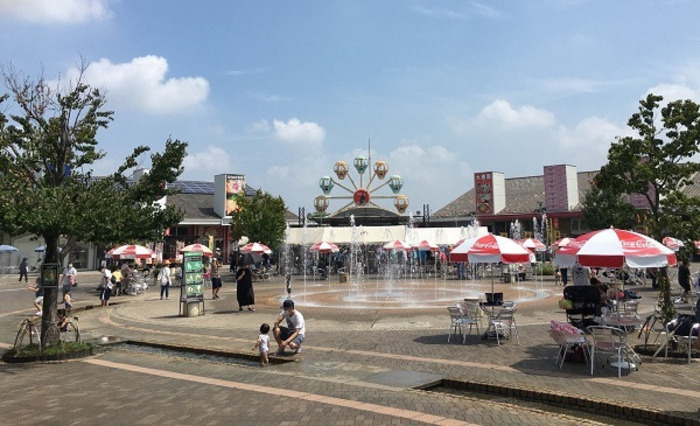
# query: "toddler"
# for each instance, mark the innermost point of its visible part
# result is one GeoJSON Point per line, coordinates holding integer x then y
{"type": "Point", "coordinates": [263, 344]}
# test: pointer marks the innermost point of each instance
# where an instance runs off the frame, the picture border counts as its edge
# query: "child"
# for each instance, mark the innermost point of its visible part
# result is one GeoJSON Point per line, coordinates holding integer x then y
{"type": "Point", "coordinates": [39, 296]}
{"type": "Point", "coordinates": [263, 344]}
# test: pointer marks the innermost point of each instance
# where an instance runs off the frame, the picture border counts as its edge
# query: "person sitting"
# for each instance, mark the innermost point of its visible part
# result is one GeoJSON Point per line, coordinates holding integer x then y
{"type": "Point", "coordinates": [602, 291]}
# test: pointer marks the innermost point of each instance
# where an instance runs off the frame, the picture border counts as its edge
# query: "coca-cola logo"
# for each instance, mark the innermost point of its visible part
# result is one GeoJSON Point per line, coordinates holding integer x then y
{"type": "Point", "coordinates": [486, 245]}
{"type": "Point", "coordinates": [639, 244]}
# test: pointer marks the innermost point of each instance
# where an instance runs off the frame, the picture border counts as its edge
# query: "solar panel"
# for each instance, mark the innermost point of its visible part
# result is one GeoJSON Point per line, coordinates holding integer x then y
{"type": "Point", "coordinates": [193, 187]}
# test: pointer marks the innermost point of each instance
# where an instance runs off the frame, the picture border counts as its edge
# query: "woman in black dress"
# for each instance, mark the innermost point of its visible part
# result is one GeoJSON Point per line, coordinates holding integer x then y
{"type": "Point", "coordinates": [244, 289]}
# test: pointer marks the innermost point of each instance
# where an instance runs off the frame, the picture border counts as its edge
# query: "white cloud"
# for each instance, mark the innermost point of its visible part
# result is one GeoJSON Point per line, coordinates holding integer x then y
{"type": "Point", "coordinates": [500, 113]}
{"type": "Point", "coordinates": [685, 84]}
{"type": "Point", "coordinates": [205, 164]}
{"type": "Point", "coordinates": [141, 84]}
{"type": "Point", "coordinates": [262, 126]}
{"type": "Point", "coordinates": [62, 11]}
{"type": "Point", "coordinates": [300, 134]}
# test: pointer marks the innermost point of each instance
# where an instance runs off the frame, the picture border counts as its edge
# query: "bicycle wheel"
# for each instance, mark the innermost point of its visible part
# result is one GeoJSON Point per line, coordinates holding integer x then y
{"type": "Point", "coordinates": [71, 333]}
{"type": "Point", "coordinates": [23, 333]}
{"type": "Point", "coordinates": [51, 336]}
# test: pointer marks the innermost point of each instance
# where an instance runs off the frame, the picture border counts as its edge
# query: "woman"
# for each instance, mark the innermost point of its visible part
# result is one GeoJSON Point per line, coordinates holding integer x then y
{"type": "Point", "coordinates": [244, 289]}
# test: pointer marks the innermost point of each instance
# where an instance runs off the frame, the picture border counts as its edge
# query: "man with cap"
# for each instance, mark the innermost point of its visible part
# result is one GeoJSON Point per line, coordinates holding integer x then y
{"type": "Point", "coordinates": [216, 274]}
{"type": "Point", "coordinates": [292, 335]}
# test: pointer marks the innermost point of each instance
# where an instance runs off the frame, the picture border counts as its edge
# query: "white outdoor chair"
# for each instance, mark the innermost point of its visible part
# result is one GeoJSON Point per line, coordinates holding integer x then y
{"type": "Point", "coordinates": [609, 340]}
{"type": "Point", "coordinates": [683, 335]}
{"type": "Point", "coordinates": [567, 336]}
{"type": "Point", "coordinates": [504, 323]}
{"type": "Point", "coordinates": [457, 322]}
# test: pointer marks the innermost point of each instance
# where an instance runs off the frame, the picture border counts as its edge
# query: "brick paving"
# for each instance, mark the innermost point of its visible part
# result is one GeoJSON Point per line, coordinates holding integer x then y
{"type": "Point", "coordinates": [339, 378]}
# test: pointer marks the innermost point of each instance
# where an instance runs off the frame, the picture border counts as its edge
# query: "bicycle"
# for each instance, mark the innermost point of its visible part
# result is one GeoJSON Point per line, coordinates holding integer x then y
{"type": "Point", "coordinates": [62, 331]}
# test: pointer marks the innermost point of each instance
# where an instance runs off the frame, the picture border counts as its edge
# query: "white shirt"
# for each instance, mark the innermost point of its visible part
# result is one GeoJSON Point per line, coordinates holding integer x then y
{"type": "Point", "coordinates": [295, 321]}
{"type": "Point", "coordinates": [67, 272]}
{"type": "Point", "coordinates": [263, 343]}
{"type": "Point", "coordinates": [107, 274]}
{"type": "Point", "coordinates": [580, 275]}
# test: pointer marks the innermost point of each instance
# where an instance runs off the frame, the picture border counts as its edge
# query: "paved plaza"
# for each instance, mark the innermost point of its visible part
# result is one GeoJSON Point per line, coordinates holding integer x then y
{"type": "Point", "coordinates": [366, 361]}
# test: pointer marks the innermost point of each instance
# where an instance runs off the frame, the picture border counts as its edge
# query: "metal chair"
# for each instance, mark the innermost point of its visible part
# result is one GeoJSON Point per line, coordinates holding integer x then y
{"type": "Point", "coordinates": [610, 340]}
{"type": "Point", "coordinates": [682, 331]}
{"type": "Point", "coordinates": [505, 320]}
{"type": "Point", "coordinates": [567, 336]}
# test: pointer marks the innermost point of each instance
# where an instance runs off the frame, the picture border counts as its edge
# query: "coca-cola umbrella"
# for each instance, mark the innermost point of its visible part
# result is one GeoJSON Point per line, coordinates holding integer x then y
{"type": "Point", "coordinates": [257, 248]}
{"type": "Point", "coordinates": [561, 242]}
{"type": "Point", "coordinates": [197, 248]}
{"type": "Point", "coordinates": [532, 244]}
{"type": "Point", "coordinates": [426, 245]}
{"type": "Point", "coordinates": [613, 248]}
{"type": "Point", "coordinates": [673, 243]}
{"type": "Point", "coordinates": [490, 249]}
{"type": "Point", "coordinates": [397, 245]}
{"type": "Point", "coordinates": [130, 251]}
{"type": "Point", "coordinates": [325, 247]}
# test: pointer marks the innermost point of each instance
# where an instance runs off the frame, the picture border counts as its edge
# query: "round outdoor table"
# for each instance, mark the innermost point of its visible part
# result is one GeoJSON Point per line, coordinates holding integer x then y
{"type": "Point", "coordinates": [626, 324]}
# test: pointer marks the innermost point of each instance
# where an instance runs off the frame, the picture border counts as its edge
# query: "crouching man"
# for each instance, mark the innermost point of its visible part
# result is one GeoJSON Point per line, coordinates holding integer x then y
{"type": "Point", "coordinates": [292, 335]}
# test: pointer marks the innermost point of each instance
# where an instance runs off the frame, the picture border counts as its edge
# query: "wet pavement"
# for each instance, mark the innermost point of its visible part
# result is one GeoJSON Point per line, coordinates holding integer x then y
{"type": "Point", "coordinates": [359, 365]}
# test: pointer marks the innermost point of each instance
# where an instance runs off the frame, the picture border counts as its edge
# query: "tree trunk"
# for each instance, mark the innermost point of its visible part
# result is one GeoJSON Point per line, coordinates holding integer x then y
{"type": "Point", "coordinates": [665, 302]}
{"type": "Point", "coordinates": [48, 317]}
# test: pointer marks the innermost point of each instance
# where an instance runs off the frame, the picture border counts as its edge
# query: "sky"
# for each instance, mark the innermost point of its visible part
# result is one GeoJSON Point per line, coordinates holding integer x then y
{"type": "Point", "coordinates": [280, 90]}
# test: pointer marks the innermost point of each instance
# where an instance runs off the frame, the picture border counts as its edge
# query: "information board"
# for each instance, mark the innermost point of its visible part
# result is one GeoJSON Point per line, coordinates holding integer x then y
{"type": "Point", "coordinates": [192, 289]}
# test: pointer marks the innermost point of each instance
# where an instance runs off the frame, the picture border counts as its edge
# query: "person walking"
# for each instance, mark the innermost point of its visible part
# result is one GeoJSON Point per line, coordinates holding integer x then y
{"type": "Point", "coordinates": [216, 282]}
{"type": "Point", "coordinates": [263, 344]}
{"type": "Point", "coordinates": [684, 279]}
{"type": "Point", "coordinates": [38, 290]}
{"type": "Point", "coordinates": [23, 270]}
{"type": "Point", "coordinates": [69, 277]}
{"type": "Point", "coordinates": [244, 289]}
{"type": "Point", "coordinates": [165, 280]}
{"type": "Point", "coordinates": [106, 286]}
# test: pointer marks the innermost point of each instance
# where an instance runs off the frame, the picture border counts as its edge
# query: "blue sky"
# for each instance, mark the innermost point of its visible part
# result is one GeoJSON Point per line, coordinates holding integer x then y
{"type": "Point", "coordinates": [280, 90]}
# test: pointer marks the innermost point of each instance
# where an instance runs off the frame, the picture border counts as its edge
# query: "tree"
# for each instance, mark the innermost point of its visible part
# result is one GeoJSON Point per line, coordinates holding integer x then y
{"type": "Point", "coordinates": [656, 165]}
{"type": "Point", "coordinates": [603, 209]}
{"type": "Point", "coordinates": [48, 142]}
{"type": "Point", "coordinates": [260, 218]}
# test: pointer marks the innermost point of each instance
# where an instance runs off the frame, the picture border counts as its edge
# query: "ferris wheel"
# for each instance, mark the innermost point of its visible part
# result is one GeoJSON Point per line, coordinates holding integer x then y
{"type": "Point", "coordinates": [357, 192]}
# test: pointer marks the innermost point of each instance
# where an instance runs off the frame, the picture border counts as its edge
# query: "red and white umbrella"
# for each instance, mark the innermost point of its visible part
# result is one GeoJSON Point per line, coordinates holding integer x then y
{"type": "Point", "coordinates": [325, 247]}
{"type": "Point", "coordinates": [532, 244]}
{"type": "Point", "coordinates": [561, 242]}
{"type": "Point", "coordinates": [612, 248]}
{"type": "Point", "coordinates": [490, 249]}
{"type": "Point", "coordinates": [426, 245]}
{"type": "Point", "coordinates": [130, 251]}
{"type": "Point", "coordinates": [257, 248]}
{"type": "Point", "coordinates": [198, 248]}
{"type": "Point", "coordinates": [396, 246]}
{"type": "Point", "coordinates": [673, 243]}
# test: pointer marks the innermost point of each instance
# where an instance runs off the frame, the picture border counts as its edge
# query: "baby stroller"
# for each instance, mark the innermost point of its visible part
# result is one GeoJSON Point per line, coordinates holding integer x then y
{"type": "Point", "coordinates": [137, 284]}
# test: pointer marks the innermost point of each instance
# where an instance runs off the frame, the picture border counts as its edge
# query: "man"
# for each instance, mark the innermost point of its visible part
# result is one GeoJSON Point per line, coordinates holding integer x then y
{"type": "Point", "coordinates": [581, 275]}
{"type": "Point", "coordinates": [216, 282]}
{"type": "Point", "coordinates": [291, 336]}
{"type": "Point", "coordinates": [684, 279]}
{"type": "Point", "coordinates": [68, 278]}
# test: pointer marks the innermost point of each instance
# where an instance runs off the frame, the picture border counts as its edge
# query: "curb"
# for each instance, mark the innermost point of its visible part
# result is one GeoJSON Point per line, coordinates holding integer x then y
{"type": "Point", "coordinates": [590, 405]}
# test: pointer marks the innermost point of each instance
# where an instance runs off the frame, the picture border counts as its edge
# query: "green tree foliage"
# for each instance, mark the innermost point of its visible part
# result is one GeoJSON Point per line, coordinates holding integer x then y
{"type": "Point", "coordinates": [261, 219]}
{"type": "Point", "coordinates": [48, 142]}
{"type": "Point", "coordinates": [603, 209]}
{"type": "Point", "coordinates": [657, 163]}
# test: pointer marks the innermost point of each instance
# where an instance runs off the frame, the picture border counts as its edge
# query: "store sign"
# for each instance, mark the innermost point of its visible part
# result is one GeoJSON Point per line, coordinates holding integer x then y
{"type": "Point", "coordinates": [483, 188]}
{"type": "Point", "coordinates": [235, 189]}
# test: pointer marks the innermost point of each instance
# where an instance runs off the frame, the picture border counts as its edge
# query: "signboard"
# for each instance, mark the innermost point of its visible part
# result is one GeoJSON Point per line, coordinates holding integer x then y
{"type": "Point", "coordinates": [192, 289]}
{"type": "Point", "coordinates": [235, 189]}
{"type": "Point", "coordinates": [483, 188]}
{"type": "Point", "coordinates": [49, 275]}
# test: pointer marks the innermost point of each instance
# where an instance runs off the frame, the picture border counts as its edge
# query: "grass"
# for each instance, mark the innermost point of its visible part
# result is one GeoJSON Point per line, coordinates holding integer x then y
{"type": "Point", "coordinates": [62, 348]}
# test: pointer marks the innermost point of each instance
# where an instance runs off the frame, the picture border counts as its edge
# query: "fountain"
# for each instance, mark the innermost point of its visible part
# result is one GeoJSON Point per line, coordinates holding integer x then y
{"type": "Point", "coordinates": [515, 230]}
